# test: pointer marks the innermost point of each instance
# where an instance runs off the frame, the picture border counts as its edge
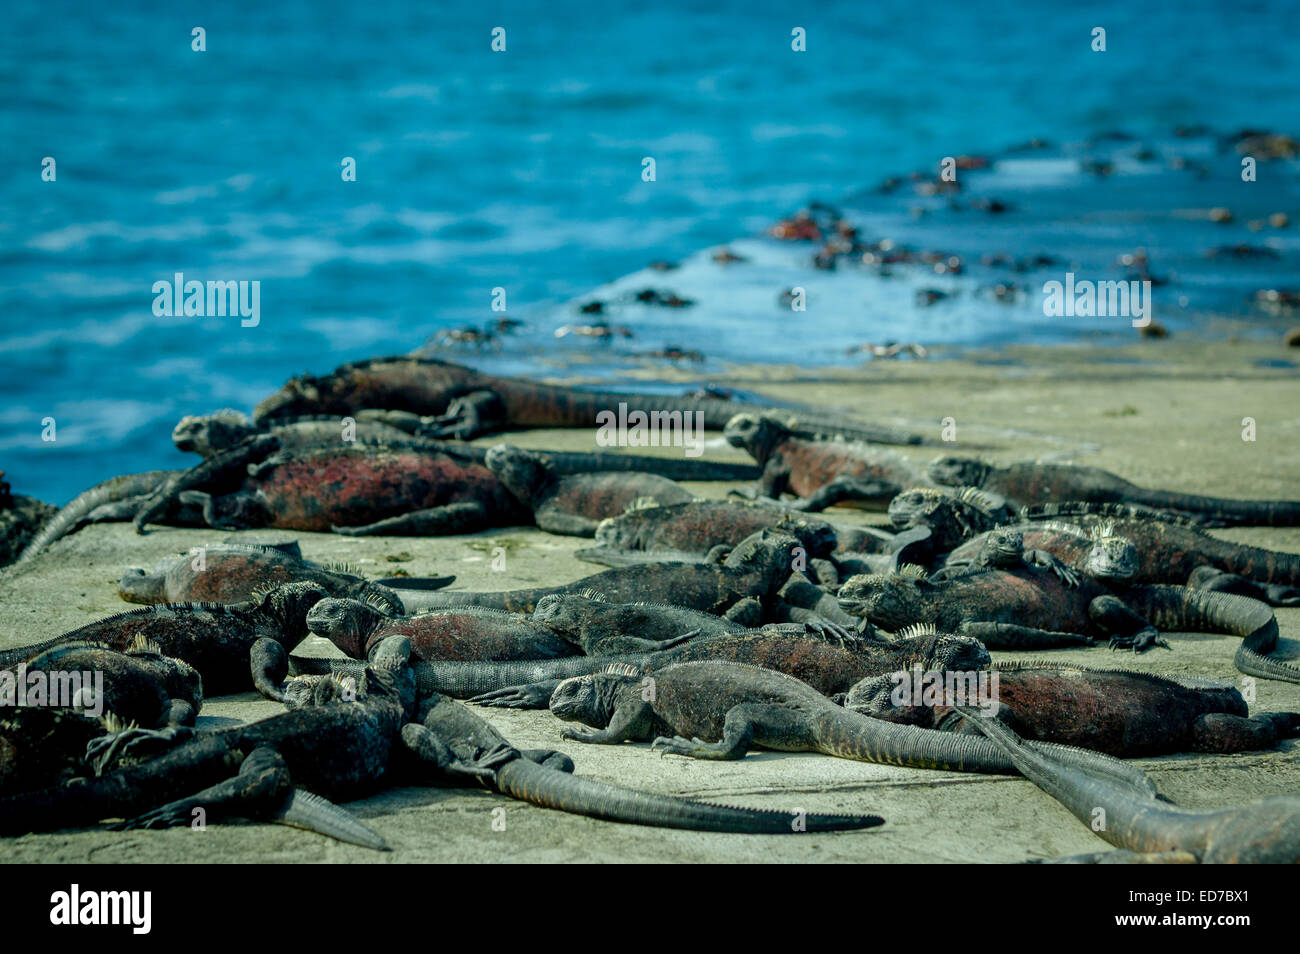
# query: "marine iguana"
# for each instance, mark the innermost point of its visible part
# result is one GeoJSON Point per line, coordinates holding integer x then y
{"type": "Point", "coordinates": [232, 572]}
{"type": "Point", "coordinates": [1012, 608]}
{"type": "Point", "coordinates": [468, 403]}
{"type": "Point", "coordinates": [470, 633]}
{"type": "Point", "coordinates": [115, 499]}
{"type": "Point", "coordinates": [1146, 828]}
{"type": "Point", "coordinates": [822, 656]}
{"type": "Point", "coordinates": [1171, 549]}
{"type": "Point", "coordinates": [139, 684]}
{"type": "Point", "coordinates": [821, 472]}
{"type": "Point", "coordinates": [698, 529]}
{"type": "Point", "coordinates": [574, 504]}
{"type": "Point", "coordinates": [222, 642]}
{"type": "Point", "coordinates": [351, 745]}
{"type": "Point", "coordinates": [744, 706]}
{"type": "Point", "coordinates": [42, 746]}
{"type": "Point", "coordinates": [1039, 482]}
{"type": "Point", "coordinates": [1121, 712]}
{"type": "Point", "coordinates": [359, 489]}
{"type": "Point", "coordinates": [754, 571]}
{"type": "Point", "coordinates": [213, 433]}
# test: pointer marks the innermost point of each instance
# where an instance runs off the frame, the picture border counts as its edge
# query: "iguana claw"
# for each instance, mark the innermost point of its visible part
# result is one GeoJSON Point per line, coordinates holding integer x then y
{"type": "Point", "coordinates": [674, 746]}
{"type": "Point", "coordinates": [1139, 642]}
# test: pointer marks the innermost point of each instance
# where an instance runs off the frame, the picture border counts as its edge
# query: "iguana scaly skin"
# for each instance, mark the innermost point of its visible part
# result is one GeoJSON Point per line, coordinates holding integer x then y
{"type": "Point", "coordinates": [139, 685]}
{"type": "Point", "coordinates": [116, 499]}
{"type": "Point", "coordinates": [821, 472]}
{"type": "Point", "coordinates": [1148, 829]}
{"type": "Point", "coordinates": [1039, 482]}
{"type": "Point", "coordinates": [678, 707]}
{"type": "Point", "coordinates": [234, 572]}
{"type": "Point", "coordinates": [470, 403]}
{"type": "Point", "coordinates": [221, 642]}
{"type": "Point", "coordinates": [213, 433]}
{"type": "Point", "coordinates": [470, 634]}
{"type": "Point", "coordinates": [359, 489]}
{"type": "Point", "coordinates": [41, 746]}
{"type": "Point", "coordinates": [695, 529]}
{"type": "Point", "coordinates": [574, 504]}
{"type": "Point", "coordinates": [1170, 549]}
{"type": "Point", "coordinates": [820, 657]}
{"type": "Point", "coordinates": [455, 741]}
{"type": "Point", "coordinates": [755, 570]}
{"type": "Point", "coordinates": [1121, 712]}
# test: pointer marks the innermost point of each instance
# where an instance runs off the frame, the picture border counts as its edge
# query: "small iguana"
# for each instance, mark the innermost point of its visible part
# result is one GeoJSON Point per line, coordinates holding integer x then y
{"type": "Point", "coordinates": [573, 505]}
{"type": "Point", "coordinates": [234, 648]}
{"type": "Point", "coordinates": [1147, 828]}
{"type": "Point", "coordinates": [1041, 482]}
{"type": "Point", "coordinates": [822, 472]}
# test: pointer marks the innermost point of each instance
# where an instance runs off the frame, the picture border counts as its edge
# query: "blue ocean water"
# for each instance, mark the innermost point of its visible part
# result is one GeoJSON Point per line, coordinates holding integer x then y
{"type": "Point", "coordinates": [478, 169]}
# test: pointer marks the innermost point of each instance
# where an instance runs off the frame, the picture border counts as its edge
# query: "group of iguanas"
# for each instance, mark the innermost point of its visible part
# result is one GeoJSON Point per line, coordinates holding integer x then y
{"type": "Point", "coordinates": [719, 625]}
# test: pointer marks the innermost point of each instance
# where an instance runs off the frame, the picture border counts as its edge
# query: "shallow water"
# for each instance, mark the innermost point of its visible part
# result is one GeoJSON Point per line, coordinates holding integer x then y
{"type": "Point", "coordinates": [523, 170]}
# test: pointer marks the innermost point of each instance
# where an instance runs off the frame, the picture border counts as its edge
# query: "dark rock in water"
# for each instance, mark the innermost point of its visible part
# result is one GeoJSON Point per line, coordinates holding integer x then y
{"type": "Point", "coordinates": [20, 518]}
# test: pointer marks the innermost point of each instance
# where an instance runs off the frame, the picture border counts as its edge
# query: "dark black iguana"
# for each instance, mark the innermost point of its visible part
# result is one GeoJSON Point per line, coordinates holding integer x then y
{"type": "Point", "coordinates": [574, 504]}
{"type": "Point", "coordinates": [234, 648]}
{"type": "Point", "coordinates": [1146, 828]}
{"type": "Point", "coordinates": [1041, 482]}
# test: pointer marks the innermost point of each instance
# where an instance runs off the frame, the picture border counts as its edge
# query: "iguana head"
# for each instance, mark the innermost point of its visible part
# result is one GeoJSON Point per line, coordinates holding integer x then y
{"type": "Point", "coordinates": [1112, 557]}
{"type": "Point", "coordinates": [875, 696]}
{"type": "Point", "coordinates": [179, 679]}
{"type": "Point", "coordinates": [889, 601]}
{"type": "Point", "coordinates": [566, 613]}
{"type": "Point", "coordinates": [921, 644]}
{"type": "Point", "coordinates": [346, 623]}
{"type": "Point", "coordinates": [959, 471]}
{"type": "Point", "coordinates": [1003, 548]}
{"type": "Point", "coordinates": [289, 605]}
{"type": "Point", "coordinates": [768, 552]}
{"type": "Point", "coordinates": [209, 433]}
{"type": "Point", "coordinates": [523, 472]}
{"type": "Point", "coordinates": [953, 516]}
{"type": "Point", "coordinates": [592, 699]}
{"type": "Point", "coordinates": [137, 585]}
{"type": "Point", "coordinates": [757, 434]}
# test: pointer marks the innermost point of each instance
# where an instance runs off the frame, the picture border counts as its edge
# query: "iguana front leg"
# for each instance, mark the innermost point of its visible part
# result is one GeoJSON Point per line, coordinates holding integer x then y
{"type": "Point", "coordinates": [268, 661]}
{"type": "Point", "coordinates": [258, 791]}
{"type": "Point", "coordinates": [1013, 636]}
{"type": "Point", "coordinates": [455, 518]}
{"type": "Point", "coordinates": [1042, 560]}
{"type": "Point", "coordinates": [532, 695]}
{"type": "Point", "coordinates": [737, 737]}
{"type": "Point", "coordinates": [771, 483]}
{"type": "Point", "coordinates": [843, 489]}
{"type": "Point", "coordinates": [479, 412]}
{"type": "Point", "coordinates": [631, 723]}
{"type": "Point", "coordinates": [1128, 630]}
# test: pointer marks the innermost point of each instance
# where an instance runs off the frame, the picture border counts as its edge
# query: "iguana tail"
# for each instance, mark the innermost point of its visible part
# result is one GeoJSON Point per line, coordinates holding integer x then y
{"type": "Point", "coordinates": [540, 785]}
{"type": "Point", "coordinates": [79, 509]}
{"type": "Point", "coordinates": [1180, 609]}
{"type": "Point", "coordinates": [1256, 513]}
